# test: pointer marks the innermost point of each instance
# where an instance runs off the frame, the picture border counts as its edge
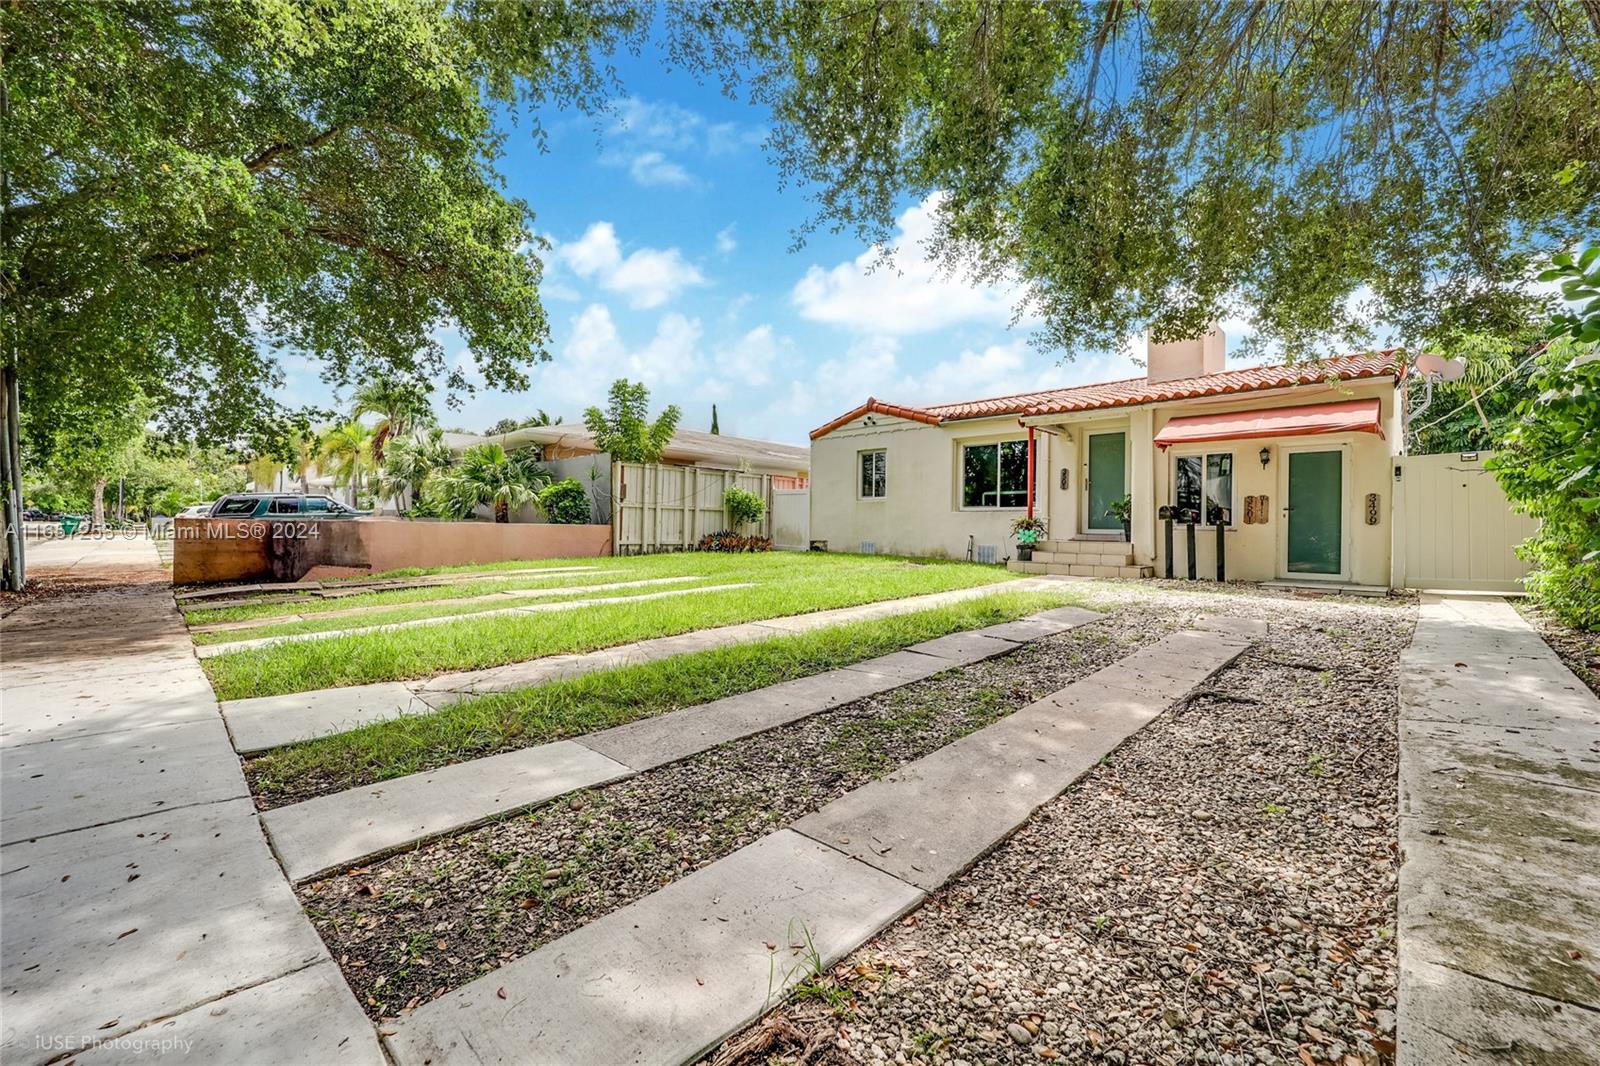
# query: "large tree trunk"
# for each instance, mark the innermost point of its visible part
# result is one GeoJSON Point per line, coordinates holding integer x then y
{"type": "Point", "coordinates": [98, 521]}
{"type": "Point", "coordinates": [15, 570]}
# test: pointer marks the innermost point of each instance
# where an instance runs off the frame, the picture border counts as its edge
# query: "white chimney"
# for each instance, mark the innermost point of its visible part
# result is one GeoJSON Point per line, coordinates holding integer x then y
{"type": "Point", "coordinates": [1191, 358]}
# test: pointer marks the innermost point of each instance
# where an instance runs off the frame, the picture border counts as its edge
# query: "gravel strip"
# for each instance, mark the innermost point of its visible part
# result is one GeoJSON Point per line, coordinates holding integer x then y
{"type": "Point", "coordinates": [419, 924]}
{"type": "Point", "coordinates": [1221, 890]}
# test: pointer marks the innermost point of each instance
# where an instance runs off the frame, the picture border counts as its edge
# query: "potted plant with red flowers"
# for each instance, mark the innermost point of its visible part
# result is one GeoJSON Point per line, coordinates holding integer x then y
{"type": "Point", "coordinates": [1028, 531]}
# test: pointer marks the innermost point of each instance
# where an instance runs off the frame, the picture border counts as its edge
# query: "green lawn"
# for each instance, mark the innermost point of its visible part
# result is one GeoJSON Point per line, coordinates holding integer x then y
{"type": "Point", "coordinates": [784, 583]}
{"type": "Point", "coordinates": [487, 584]}
{"type": "Point", "coordinates": [542, 713]}
{"type": "Point", "coordinates": [433, 609]}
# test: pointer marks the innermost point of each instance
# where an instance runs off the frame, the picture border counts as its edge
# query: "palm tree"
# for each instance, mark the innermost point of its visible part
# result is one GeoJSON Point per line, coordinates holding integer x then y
{"type": "Point", "coordinates": [401, 406]}
{"type": "Point", "coordinates": [346, 452]}
{"type": "Point", "coordinates": [306, 447]}
{"type": "Point", "coordinates": [409, 462]}
{"type": "Point", "coordinates": [488, 476]}
{"type": "Point", "coordinates": [263, 471]}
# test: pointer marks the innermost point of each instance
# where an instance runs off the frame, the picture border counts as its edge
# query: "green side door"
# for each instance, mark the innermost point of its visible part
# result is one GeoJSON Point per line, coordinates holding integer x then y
{"type": "Point", "coordinates": [1316, 507]}
{"type": "Point", "coordinates": [1108, 481]}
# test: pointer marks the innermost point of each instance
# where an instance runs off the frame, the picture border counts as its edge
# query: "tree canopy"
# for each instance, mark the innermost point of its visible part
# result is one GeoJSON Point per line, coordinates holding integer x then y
{"type": "Point", "coordinates": [192, 188]}
{"type": "Point", "coordinates": [624, 428]}
{"type": "Point", "coordinates": [1310, 166]}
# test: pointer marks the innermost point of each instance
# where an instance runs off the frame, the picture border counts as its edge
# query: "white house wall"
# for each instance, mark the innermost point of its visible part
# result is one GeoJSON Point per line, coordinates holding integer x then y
{"type": "Point", "coordinates": [922, 513]}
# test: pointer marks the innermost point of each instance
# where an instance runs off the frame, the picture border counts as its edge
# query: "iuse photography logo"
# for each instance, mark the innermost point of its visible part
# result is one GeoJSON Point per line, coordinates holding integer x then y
{"type": "Point", "coordinates": [129, 1045]}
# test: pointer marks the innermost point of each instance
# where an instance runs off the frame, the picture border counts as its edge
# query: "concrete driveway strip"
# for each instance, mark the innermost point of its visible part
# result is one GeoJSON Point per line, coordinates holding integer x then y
{"type": "Point", "coordinates": [323, 712]}
{"type": "Point", "coordinates": [341, 829]}
{"type": "Point", "coordinates": [668, 977]}
{"type": "Point", "coordinates": [137, 889]}
{"type": "Point", "coordinates": [1500, 837]}
{"type": "Point", "coordinates": [206, 651]}
{"type": "Point", "coordinates": [932, 818]}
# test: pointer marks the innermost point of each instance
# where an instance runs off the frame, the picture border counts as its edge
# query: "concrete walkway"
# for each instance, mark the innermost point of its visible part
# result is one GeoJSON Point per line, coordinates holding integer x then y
{"type": "Point", "coordinates": [206, 651]}
{"type": "Point", "coordinates": [665, 979]}
{"type": "Point", "coordinates": [266, 722]}
{"type": "Point", "coordinates": [341, 829]}
{"type": "Point", "coordinates": [143, 912]}
{"type": "Point", "coordinates": [1500, 835]}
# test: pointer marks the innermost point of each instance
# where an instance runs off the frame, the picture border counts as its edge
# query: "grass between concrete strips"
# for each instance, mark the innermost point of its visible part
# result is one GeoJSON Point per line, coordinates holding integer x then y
{"type": "Point", "coordinates": [271, 607]}
{"type": "Point", "coordinates": [413, 926]}
{"type": "Point", "coordinates": [784, 584]}
{"type": "Point", "coordinates": [506, 721]}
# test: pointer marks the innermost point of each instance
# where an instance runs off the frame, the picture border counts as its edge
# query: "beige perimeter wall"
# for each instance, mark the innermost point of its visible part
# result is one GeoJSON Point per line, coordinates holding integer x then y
{"type": "Point", "coordinates": [226, 549]}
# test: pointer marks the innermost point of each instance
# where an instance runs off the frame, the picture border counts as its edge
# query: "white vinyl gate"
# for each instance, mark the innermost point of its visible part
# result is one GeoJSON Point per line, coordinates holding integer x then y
{"type": "Point", "coordinates": [1453, 526]}
{"type": "Point", "coordinates": [657, 508]}
{"type": "Point", "coordinates": [791, 519]}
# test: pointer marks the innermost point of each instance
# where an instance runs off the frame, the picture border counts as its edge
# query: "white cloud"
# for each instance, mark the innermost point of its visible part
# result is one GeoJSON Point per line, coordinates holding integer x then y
{"type": "Point", "coordinates": [648, 277]}
{"type": "Point", "coordinates": [902, 293]}
{"type": "Point", "coordinates": [725, 240]}
{"type": "Point", "coordinates": [750, 359]}
{"type": "Point", "coordinates": [651, 135]}
{"type": "Point", "coordinates": [653, 168]}
{"type": "Point", "coordinates": [595, 355]}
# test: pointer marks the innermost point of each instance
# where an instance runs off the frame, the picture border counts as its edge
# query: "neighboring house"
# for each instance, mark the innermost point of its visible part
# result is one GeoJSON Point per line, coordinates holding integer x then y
{"type": "Point", "coordinates": [570, 451]}
{"type": "Point", "coordinates": [688, 447]}
{"type": "Point", "coordinates": [1296, 462]}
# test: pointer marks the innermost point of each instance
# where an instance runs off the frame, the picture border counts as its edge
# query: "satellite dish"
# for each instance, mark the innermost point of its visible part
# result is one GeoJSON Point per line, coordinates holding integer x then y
{"type": "Point", "coordinates": [1428, 363]}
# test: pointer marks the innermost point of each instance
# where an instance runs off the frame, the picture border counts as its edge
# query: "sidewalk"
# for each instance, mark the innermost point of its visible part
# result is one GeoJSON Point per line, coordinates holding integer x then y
{"type": "Point", "coordinates": [1500, 838]}
{"type": "Point", "coordinates": [144, 913]}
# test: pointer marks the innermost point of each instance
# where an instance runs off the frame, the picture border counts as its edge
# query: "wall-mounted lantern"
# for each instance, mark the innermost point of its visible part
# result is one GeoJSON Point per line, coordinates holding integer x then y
{"type": "Point", "coordinates": [1266, 457]}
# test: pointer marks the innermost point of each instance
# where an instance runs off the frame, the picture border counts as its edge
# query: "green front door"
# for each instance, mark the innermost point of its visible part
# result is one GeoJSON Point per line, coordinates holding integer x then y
{"type": "Point", "coordinates": [1107, 478]}
{"type": "Point", "coordinates": [1316, 535]}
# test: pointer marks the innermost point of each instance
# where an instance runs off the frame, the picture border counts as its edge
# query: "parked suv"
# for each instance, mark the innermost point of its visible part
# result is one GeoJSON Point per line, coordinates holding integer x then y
{"type": "Point", "coordinates": [280, 505]}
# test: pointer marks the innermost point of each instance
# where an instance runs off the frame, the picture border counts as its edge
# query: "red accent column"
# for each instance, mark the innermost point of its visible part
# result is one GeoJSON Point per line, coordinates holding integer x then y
{"type": "Point", "coordinates": [1030, 471]}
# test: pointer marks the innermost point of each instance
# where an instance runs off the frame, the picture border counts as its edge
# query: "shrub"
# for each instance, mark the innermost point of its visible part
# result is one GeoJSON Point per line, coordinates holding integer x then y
{"type": "Point", "coordinates": [743, 507]}
{"type": "Point", "coordinates": [565, 503]}
{"type": "Point", "coordinates": [729, 541]}
{"type": "Point", "coordinates": [1549, 463]}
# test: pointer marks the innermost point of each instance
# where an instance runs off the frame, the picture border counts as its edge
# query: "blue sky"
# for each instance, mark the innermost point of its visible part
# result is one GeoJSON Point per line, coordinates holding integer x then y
{"type": "Point", "coordinates": [671, 263]}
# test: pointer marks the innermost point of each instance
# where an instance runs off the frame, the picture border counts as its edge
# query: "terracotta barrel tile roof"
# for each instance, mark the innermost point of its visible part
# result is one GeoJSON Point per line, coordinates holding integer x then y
{"type": "Point", "coordinates": [1134, 391]}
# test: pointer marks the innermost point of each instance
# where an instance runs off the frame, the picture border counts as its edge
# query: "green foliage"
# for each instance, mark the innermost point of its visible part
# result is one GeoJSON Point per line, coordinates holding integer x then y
{"type": "Point", "coordinates": [402, 407]}
{"type": "Point", "coordinates": [565, 502]}
{"type": "Point", "coordinates": [624, 428]}
{"type": "Point", "coordinates": [1171, 163]}
{"type": "Point", "coordinates": [408, 463]}
{"type": "Point", "coordinates": [1475, 412]}
{"type": "Point", "coordinates": [744, 507]}
{"type": "Point", "coordinates": [1121, 508]}
{"type": "Point", "coordinates": [1549, 464]}
{"type": "Point", "coordinates": [486, 476]}
{"type": "Point", "coordinates": [194, 187]}
{"type": "Point", "coordinates": [345, 451]}
{"type": "Point", "coordinates": [508, 425]}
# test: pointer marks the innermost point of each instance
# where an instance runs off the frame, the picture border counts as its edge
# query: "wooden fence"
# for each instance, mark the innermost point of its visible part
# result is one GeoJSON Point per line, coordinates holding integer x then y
{"type": "Point", "coordinates": [656, 508]}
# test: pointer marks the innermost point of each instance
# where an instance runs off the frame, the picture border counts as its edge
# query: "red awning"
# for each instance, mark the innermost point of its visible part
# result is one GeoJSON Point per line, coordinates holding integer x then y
{"type": "Point", "coordinates": [1346, 416]}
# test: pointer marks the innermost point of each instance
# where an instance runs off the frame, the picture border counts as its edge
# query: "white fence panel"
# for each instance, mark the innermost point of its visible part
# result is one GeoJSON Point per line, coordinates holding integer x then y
{"type": "Point", "coordinates": [658, 508]}
{"type": "Point", "coordinates": [1454, 528]}
{"type": "Point", "coordinates": [791, 519]}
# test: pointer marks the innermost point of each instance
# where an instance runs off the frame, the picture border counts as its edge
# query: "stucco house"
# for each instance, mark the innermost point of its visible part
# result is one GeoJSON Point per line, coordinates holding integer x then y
{"type": "Point", "coordinates": [1294, 462]}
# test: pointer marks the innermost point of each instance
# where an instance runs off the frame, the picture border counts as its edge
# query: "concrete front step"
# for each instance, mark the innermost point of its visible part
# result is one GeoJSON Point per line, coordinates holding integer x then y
{"type": "Point", "coordinates": [1078, 569]}
{"type": "Point", "coordinates": [1084, 558]}
{"type": "Point", "coordinates": [1086, 546]}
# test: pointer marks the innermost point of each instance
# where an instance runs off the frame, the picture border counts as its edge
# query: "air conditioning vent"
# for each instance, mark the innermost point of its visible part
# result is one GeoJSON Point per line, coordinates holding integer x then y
{"type": "Point", "coordinates": [869, 547]}
{"type": "Point", "coordinates": [986, 553]}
